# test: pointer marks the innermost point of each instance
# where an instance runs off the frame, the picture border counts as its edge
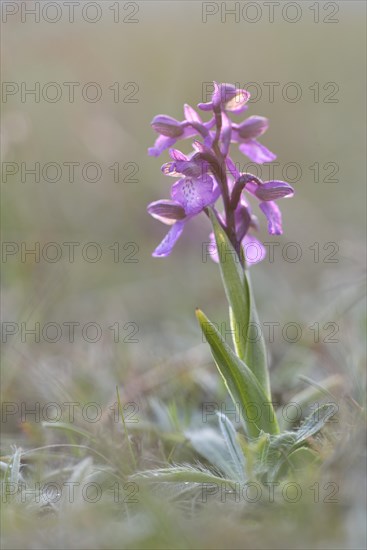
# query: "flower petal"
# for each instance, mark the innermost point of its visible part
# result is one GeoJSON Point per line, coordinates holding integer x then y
{"type": "Point", "coordinates": [191, 115]}
{"type": "Point", "coordinates": [256, 152]}
{"type": "Point", "coordinates": [252, 127]}
{"type": "Point", "coordinates": [206, 106]}
{"type": "Point", "coordinates": [169, 241]}
{"type": "Point", "coordinates": [229, 97]}
{"type": "Point", "coordinates": [194, 194]}
{"type": "Point", "coordinates": [239, 108]}
{"type": "Point", "coordinates": [166, 211]}
{"type": "Point", "coordinates": [167, 126]}
{"type": "Point", "coordinates": [253, 249]}
{"type": "Point", "coordinates": [193, 130]}
{"type": "Point", "coordinates": [161, 143]}
{"type": "Point", "coordinates": [274, 216]}
{"type": "Point", "coordinates": [175, 154]}
{"type": "Point", "coordinates": [273, 190]}
{"type": "Point", "coordinates": [237, 103]}
{"type": "Point", "coordinates": [172, 169]}
{"type": "Point", "coordinates": [191, 168]}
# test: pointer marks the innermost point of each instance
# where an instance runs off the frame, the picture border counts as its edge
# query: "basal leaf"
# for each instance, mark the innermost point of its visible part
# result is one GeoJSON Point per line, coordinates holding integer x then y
{"type": "Point", "coordinates": [256, 410]}
{"type": "Point", "coordinates": [233, 447]}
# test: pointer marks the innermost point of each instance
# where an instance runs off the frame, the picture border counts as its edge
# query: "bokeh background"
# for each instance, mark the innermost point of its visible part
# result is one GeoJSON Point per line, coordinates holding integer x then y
{"type": "Point", "coordinates": [170, 55]}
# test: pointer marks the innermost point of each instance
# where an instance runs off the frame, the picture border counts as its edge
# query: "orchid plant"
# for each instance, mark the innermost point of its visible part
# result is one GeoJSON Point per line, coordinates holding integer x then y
{"type": "Point", "coordinates": [205, 177]}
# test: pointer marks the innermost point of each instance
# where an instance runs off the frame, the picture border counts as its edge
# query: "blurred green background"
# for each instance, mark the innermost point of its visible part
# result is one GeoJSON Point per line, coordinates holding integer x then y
{"type": "Point", "coordinates": [169, 54]}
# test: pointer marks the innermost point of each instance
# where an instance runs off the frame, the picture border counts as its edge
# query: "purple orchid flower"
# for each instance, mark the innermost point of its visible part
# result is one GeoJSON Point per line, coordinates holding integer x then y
{"type": "Point", "coordinates": [183, 165]}
{"type": "Point", "coordinates": [189, 197]}
{"type": "Point", "coordinates": [171, 130]}
{"type": "Point", "coordinates": [227, 98]}
{"type": "Point", "coordinates": [209, 173]}
{"type": "Point", "coordinates": [245, 134]}
{"type": "Point", "coordinates": [266, 192]}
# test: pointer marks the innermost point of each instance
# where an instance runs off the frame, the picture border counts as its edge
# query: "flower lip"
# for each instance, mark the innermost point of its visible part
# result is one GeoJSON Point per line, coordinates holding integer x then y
{"type": "Point", "coordinates": [194, 194]}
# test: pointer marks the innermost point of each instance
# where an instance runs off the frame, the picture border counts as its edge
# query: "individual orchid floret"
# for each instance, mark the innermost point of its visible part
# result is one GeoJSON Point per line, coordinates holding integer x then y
{"type": "Point", "coordinates": [227, 97]}
{"type": "Point", "coordinates": [246, 133]}
{"type": "Point", "coordinates": [189, 198]}
{"type": "Point", "coordinates": [171, 130]}
{"type": "Point", "coordinates": [183, 165]}
{"type": "Point", "coordinates": [266, 192]}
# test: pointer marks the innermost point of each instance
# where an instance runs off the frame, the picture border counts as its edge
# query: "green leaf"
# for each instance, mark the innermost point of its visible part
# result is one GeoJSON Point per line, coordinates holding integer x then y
{"type": "Point", "coordinates": [256, 410]}
{"type": "Point", "coordinates": [242, 309]}
{"type": "Point", "coordinates": [316, 421]}
{"type": "Point", "coordinates": [208, 443]}
{"type": "Point", "coordinates": [68, 428]}
{"type": "Point", "coordinates": [15, 476]}
{"type": "Point", "coordinates": [234, 449]}
{"type": "Point", "coordinates": [185, 473]}
{"type": "Point", "coordinates": [279, 448]}
{"type": "Point", "coordinates": [220, 449]}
